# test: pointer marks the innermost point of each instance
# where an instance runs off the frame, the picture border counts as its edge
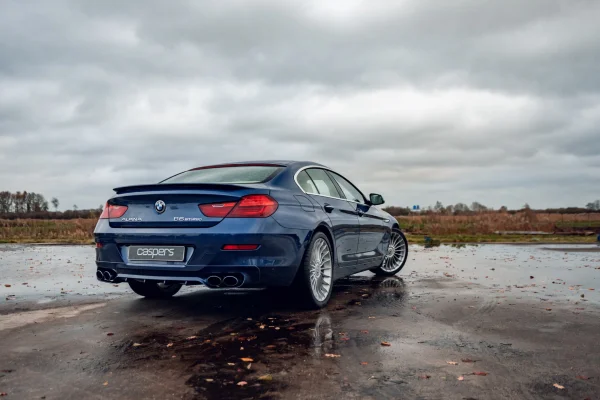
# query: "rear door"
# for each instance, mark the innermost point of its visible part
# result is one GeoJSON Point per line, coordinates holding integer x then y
{"type": "Point", "coordinates": [371, 221]}
{"type": "Point", "coordinates": [317, 183]}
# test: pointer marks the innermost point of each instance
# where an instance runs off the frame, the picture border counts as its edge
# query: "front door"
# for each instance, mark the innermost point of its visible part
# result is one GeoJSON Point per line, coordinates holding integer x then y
{"type": "Point", "coordinates": [372, 229]}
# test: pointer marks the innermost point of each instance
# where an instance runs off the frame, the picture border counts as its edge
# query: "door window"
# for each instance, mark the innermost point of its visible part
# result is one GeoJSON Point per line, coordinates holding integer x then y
{"type": "Point", "coordinates": [350, 191]}
{"type": "Point", "coordinates": [323, 182]}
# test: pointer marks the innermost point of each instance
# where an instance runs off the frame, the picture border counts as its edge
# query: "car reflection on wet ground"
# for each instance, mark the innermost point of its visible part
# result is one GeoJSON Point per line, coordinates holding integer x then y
{"type": "Point", "coordinates": [458, 322]}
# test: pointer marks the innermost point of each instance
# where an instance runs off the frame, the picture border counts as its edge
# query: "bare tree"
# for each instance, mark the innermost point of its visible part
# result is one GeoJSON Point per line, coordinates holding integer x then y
{"type": "Point", "coordinates": [55, 203]}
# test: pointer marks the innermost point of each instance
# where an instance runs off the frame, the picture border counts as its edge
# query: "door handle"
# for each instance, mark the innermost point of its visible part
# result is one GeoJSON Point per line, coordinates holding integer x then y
{"type": "Point", "coordinates": [328, 208]}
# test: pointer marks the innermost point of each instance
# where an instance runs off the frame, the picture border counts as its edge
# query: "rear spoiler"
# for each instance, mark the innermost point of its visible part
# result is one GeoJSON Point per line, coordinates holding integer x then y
{"type": "Point", "coordinates": [164, 187]}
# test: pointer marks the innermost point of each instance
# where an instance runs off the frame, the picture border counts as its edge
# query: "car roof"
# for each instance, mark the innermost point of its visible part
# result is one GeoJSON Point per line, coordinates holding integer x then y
{"type": "Point", "coordinates": [285, 163]}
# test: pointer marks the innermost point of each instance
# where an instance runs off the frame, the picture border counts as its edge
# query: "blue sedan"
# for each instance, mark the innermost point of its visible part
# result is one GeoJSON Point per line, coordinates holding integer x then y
{"type": "Point", "coordinates": [249, 224]}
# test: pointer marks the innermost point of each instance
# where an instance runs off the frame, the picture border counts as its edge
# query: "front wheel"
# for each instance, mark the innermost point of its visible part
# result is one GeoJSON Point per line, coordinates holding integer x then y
{"type": "Point", "coordinates": [315, 276]}
{"type": "Point", "coordinates": [154, 290]}
{"type": "Point", "coordinates": [395, 257]}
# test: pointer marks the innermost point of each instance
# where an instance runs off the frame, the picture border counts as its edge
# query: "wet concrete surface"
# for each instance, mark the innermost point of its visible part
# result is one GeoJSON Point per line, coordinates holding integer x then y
{"type": "Point", "coordinates": [472, 322]}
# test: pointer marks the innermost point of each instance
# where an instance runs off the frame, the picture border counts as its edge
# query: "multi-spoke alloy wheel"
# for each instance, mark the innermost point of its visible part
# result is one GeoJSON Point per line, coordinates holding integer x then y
{"type": "Point", "coordinates": [315, 277]}
{"type": "Point", "coordinates": [320, 269]}
{"type": "Point", "coordinates": [395, 257]}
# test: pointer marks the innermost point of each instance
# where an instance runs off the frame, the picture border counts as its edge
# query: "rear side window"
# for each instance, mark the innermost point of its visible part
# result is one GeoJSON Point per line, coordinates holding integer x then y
{"type": "Point", "coordinates": [306, 183]}
{"type": "Point", "coordinates": [324, 184]}
{"type": "Point", "coordinates": [229, 174]}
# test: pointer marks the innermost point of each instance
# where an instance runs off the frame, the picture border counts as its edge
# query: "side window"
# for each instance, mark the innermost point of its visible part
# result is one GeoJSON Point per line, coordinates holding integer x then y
{"type": "Point", "coordinates": [306, 183]}
{"type": "Point", "coordinates": [324, 184]}
{"type": "Point", "coordinates": [350, 191]}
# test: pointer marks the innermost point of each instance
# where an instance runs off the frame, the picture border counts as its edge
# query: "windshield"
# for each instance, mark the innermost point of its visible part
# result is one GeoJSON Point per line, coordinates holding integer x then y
{"type": "Point", "coordinates": [229, 174]}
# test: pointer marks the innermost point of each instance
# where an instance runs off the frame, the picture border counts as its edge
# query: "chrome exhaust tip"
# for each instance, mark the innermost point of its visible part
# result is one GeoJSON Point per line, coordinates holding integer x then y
{"type": "Point", "coordinates": [109, 275]}
{"type": "Point", "coordinates": [230, 281]}
{"type": "Point", "coordinates": [213, 281]}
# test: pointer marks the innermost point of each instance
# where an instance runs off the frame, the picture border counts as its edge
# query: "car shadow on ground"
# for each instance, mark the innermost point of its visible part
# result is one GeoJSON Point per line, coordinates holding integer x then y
{"type": "Point", "coordinates": [255, 302]}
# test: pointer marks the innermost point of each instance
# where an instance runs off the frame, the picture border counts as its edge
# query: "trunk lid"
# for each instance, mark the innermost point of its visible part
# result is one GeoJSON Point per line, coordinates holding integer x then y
{"type": "Point", "coordinates": [180, 200]}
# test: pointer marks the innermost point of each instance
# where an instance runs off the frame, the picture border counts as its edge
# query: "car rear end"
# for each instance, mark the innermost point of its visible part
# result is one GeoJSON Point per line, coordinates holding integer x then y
{"type": "Point", "coordinates": [212, 225]}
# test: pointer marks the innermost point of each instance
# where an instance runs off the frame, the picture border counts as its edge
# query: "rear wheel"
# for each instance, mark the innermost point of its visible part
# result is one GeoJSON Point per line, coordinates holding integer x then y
{"type": "Point", "coordinates": [396, 255]}
{"type": "Point", "coordinates": [154, 290]}
{"type": "Point", "coordinates": [315, 277]}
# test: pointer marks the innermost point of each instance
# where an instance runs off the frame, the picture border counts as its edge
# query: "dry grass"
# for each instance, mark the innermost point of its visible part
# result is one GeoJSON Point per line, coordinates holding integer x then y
{"type": "Point", "coordinates": [488, 223]}
{"type": "Point", "coordinates": [447, 228]}
{"type": "Point", "coordinates": [46, 231]}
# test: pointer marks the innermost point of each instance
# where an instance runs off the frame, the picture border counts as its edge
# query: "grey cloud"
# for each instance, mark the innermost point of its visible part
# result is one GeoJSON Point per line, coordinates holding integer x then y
{"type": "Point", "coordinates": [494, 101]}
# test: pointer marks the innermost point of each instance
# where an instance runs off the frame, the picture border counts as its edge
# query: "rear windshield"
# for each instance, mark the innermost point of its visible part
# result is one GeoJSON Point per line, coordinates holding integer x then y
{"type": "Point", "coordinates": [230, 174]}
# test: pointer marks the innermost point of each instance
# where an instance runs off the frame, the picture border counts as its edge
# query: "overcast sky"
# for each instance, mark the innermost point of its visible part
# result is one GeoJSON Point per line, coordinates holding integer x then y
{"type": "Point", "coordinates": [493, 101]}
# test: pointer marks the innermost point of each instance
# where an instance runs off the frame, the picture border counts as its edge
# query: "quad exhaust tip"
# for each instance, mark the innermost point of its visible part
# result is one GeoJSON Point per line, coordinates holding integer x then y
{"type": "Point", "coordinates": [106, 276]}
{"type": "Point", "coordinates": [230, 281]}
{"type": "Point", "coordinates": [213, 281]}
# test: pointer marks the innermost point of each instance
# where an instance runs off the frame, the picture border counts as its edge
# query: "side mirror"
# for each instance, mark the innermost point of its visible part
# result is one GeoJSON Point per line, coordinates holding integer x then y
{"type": "Point", "coordinates": [376, 199]}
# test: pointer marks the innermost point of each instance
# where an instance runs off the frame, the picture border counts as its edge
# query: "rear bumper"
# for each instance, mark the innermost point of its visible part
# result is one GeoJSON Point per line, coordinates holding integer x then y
{"type": "Point", "coordinates": [274, 263]}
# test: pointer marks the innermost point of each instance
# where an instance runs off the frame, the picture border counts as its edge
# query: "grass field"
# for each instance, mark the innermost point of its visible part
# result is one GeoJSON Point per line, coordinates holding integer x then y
{"type": "Point", "coordinates": [489, 223]}
{"type": "Point", "coordinates": [47, 231]}
{"type": "Point", "coordinates": [478, 228]}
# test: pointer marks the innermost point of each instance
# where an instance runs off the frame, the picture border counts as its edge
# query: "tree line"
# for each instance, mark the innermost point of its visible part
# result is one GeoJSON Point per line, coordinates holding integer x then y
{"type": "Point", "coordinates": [34, 205]}
{"type": "Point", "coordinates": [22, 202]}
{"type": "Point", "coordinates": [476, 207]}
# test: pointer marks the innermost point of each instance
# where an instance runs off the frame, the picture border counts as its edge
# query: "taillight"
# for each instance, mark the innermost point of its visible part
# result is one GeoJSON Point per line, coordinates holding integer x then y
{"type": "Point", "coordinates": [217, 210]}
{"type": "Point", "coordinates": [113, 211]}
{"type": "Point", "coordinates": [251, 206]}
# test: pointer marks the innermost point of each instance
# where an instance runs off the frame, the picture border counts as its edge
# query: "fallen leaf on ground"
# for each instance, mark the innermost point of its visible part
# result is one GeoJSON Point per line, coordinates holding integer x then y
{"type": "Point", "coordinates": [583, 378]}
{"type": "Point", "coordinates": [467, 360]}
{"type": "Point", "coordinates": [246, 359]}
{"type": "Point", "coordinates": [332, 355]}
{"type": "Point", "coordinates": [548, 309]}
{"type": "Point", "coordinates": [556, 385]}
{"type": "Point", "coordinates": [461, 378]}
{"type": "Point", "coordinates": [191, 337]}
{"type": "Point", "coordinates": [137, 344]}
{"type": "Point", "coordinates": [109, 334]}
{"type": "Point", "coordinates": [2, 394]}
{"type": "Point", "coordinates": [267, 377]}
{"type": "Point", "coordinates": [424, 377]}
{"type": "Point", "coordinates": [7, 285]}
{"type": "Point", "coordinates": [480, 373]}
{"type": "Point", "coordinates": [242, 383]}
{"type": "Point", "coordinates": [271, 346]}
{"type": "Point", "coordinates": [170, 345]}
{"type": "Point", "coordinates": [531, 277]}
{"type": "Point", "coordinates": [386, 344]}
{"type": "Point", "coordinates": [364, 363]}
{"type": "Point", "coordinates": [452, 362]}
{"type": "Point", "coordinates": [105, 383]}
{"type": "Point", "coordinates": [371, 317]}
{"type": "Point", "coordinates": [365, 331]}
{"type": "Point", "coordinates": [262, 327]}
{"type": "Point", "coordinates": [345, 338]}
{"type": "Point", "coordinates": [209, 380]}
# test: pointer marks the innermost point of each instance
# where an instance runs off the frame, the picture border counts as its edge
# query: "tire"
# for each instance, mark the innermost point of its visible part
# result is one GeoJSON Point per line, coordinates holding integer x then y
{"type": "Point", "coordinates": [397, 259]}
{"type": "Point", "coordinates": [314, 283]}
{"type": "Point", "coordinates": [154, 290]}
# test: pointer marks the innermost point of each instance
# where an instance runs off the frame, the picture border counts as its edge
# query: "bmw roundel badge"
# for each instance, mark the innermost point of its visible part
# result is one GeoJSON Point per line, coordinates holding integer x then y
{"type": "Point", "coordinates": [160, 206]}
